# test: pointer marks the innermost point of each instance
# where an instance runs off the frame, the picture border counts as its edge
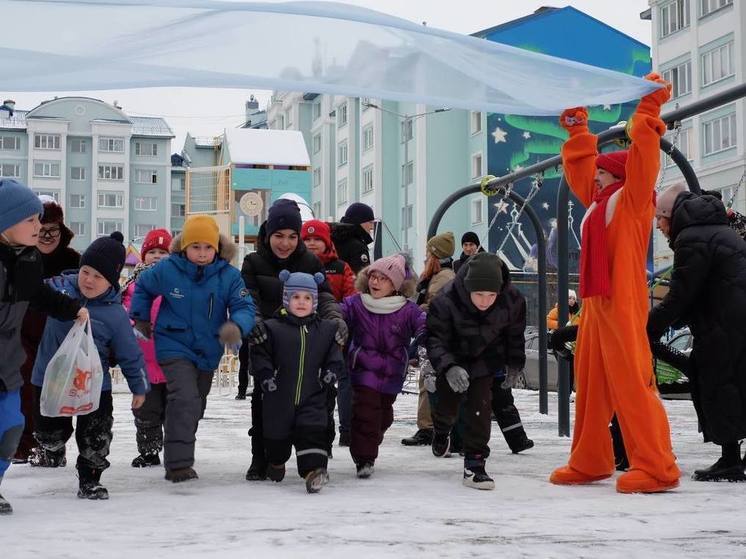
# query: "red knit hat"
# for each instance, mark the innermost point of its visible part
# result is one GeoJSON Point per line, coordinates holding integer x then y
{"type": "Point", "coordinates": [316, 228]}
{"type": "Point", "coordinates": [614, 163]}
{"type": "Point", "coordinates": [156, 238]}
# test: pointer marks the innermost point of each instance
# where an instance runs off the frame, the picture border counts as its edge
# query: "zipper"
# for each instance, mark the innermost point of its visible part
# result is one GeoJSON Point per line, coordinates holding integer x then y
{"type": "Point", "coordinates": [354, 357]}
{"type": "Point", "coordinates": [209, 309]}
{"type": "Point", "coordinates": [302, 363]}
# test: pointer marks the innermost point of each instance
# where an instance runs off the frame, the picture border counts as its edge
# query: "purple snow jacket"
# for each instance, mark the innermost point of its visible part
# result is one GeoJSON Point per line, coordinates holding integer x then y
{"type": "Point", "coordinates": [377, 354]}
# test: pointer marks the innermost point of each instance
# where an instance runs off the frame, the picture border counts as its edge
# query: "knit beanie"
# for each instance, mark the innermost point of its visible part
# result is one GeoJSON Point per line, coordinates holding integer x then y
{"type": "Point", "coordinates": [470, 237]}
{"type": "Point", "coordinates": [200, 229]}
{"type": "Point", "coordinates": [106, 255]}
{"type": "Point", "coordinates": [283, 214]}
{"type": "Point", "coordinates": [443, 245]}
{"type": "Point", "coordinates": [614, 163]}
{"type": "Point", "coordinates": [300, 281]}
{"type": "Point", "coordinates": [393, 267]}
{"type": "Point", "coordinates": [484, 273]}
{"type": "Point", "coordinates": [664, 203]}
{"type": "Point", "coordinates": [156, 238]}
{"type": "Point", "coordinates": [17, 202]}
{"type": "Point", "coordinates": [358, 213]}
{"type": "Point", "coordinates": [316, 228]}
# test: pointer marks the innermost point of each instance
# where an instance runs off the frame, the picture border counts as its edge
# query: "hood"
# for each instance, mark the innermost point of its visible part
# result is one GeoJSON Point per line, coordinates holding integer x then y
{"type": "Point", "coordinates": [692, 210]}
{"type": "Point", "coordinates": [408, 288]}
{"type": "Point", "coordinates": [225, 255]}
{"type": "Point", "coordinates": [265, 251]}
{"type": "Point", "coordinates": [342, 232]}
{"type": "Point", "coordinates": [67, 283]}
{"type": "Point", "coordinates": [228, 248]}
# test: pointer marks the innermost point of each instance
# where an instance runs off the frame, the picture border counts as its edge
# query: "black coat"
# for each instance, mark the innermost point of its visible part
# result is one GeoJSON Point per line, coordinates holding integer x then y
{"type": "Point", "coordinates": [260, 273]}
{"type": "Point", "coordinates": [462, 260]}
{"type": "Point", "coordinates": [481, 342]}
{"type": "Point", "coordinates": [351, 242]}
{"type": "Point", "coordinates": [707, 291]}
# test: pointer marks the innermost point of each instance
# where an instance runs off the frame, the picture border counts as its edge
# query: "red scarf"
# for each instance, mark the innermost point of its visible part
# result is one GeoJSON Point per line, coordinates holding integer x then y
{"type": "Point", "coordinates": [594, 258]}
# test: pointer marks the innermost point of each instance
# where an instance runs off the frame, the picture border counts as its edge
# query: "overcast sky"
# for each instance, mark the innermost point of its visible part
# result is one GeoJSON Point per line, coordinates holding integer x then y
{"type": "Point", "coordinates": [206, 112]}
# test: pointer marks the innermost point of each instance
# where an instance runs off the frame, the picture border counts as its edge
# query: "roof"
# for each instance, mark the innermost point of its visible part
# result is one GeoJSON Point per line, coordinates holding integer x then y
{"type": "Point", "coordinates": [150, 126]}
{"type": "Point", "coordinates": [16, 122]}
{"type": "Point", "coordinates": [266, 147]}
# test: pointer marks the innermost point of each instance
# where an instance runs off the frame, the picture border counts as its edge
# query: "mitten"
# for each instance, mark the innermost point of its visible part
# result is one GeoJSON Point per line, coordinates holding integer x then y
{"type": "Point", "coordinates": [458, 379]}
{"type": "Point", "coordinates": [229, 334]}
{"type": "Point", "coordinates": [512, 378]}
{"type": "Point", "coordinates": [651, 103]}
{"type": "Point", "coordinates": [574, 120]}
{"type": "Point", "coordinates": [142, 327]}
{"type": "Point", "coordinates": [259, 334]}
{"type": "Point", "coordinates": [426, 370]}
{"type": "Point", "coordinates": [342, 332]}
{"type": "Point", "coordinates": [269, 385]}
{"type": "Point", "coordinates": [327, 377]}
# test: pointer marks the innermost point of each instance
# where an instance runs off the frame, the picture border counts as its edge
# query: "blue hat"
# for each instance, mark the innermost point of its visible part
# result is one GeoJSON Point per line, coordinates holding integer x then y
{"type": "Point", "coordinates": [17, 202]}
{"type": "Point", "coordinates": [283, 214]}
{"type": "Point", "coordinates": [299, 281]}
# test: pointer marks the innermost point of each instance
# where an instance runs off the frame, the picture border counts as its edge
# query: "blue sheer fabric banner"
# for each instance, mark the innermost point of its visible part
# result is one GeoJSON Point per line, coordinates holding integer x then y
{"type": "Point", "coordinates": [321, 47]}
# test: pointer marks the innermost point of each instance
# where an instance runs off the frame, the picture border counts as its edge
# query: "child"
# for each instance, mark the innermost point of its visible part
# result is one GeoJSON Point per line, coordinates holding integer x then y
{"type": "Point", "coordinates": [474, 328]}
{"type": "Point", "coordinates": [95, 285]}
{"type": "Point", "coordinates": [296, 366]}
{"type": "Point", "coordinates": [20, 284]}
{"type": "Point", "coordinates": [150, 417]}
{"type": "Point", "coordinates": [199, 287]}
{"type": "Point", "coordinates": [382, 324]}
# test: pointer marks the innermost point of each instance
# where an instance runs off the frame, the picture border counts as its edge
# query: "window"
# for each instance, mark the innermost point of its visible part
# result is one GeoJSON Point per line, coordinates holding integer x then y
{"type": "Point", "coordinates": [317, 210]}
{"type": "Point", "coordinates": [407, 173]}
{"type": "Point", "coordinates": [342, 192]}
{"type": "Point", "coordinates": [317, 143]}
{"type": "Point", "coordinates": [316, 110]}
{"type": "Point", "coordinates": [78, 145]}
{"type": "Point", "coordinates": [110, 200]}
{"type": "Point", "coordinates": [78, 227]}
{"type": "Point", "coordinates": [674, 16]}
{"type": "Point", "coordinates": [146, 203]}
{"type": "Point", "coordinates": [10, 170]}
{"type": "Point", "coordinates": [142, 229]}
{"type": "Point", "coordinates": [684, 143]}
{"type": "Point", "coordinates": [681, 79]}
{"type": "Point", "coordinates": [106, 227]}
{"type": "Point", "coordinates": [289, 119]}
{"type": "Point", "coordinates": [146, 176]}
{"type": "Point", "coordinates": [111, 172]}
{"type": "Point", "coordinates": [407, 217]}
{"type": "Point", "coordinates": [146, 149]}
{"type": "Point", "coordinates": [719, 134]}
{"type": "Point", "coordinates": [342, 115]}
{"type": "Point", "coordinates": [728, 193]}
{"type": "Point", "coordinates": [77, 173]}
{"type": "Point", "coordinates": [316, 177]}
{"type": "Point", "coordinates": [477, 211]}
{"type": "Point", "coordinates": [47, 169]}
{"type": "Point", "coordinates": [407, 130]}
{"type": "Point", "coordinates": [77, 201]}
{"type": "Point", "coordinates": [111, 145]}
{"type": "Point", "coordinates": [10, 143]}
{"type": "Point", "coordinates": [717, 64]}
{"type": "Point", "coordinates": [52, 193]}
{"type": "Point", "coordinates": [280, 122]}
{"type": "Point", "coordinates": [178, 210]}
{"type": "Point", "coordinates": [368, 179]}
{"type": "Point", "coordinates": [476, 122]}
{"type": "Point", "coordinates": [47, 141]}
{"type": "Point", "coordinates": [342, 153]}
{"type": "Point", "coordinates": [708, 6]}
{"type": "Point", "coordinates": [476, 165]}
{"type": "Point", "coordinates": [368, 137]}
{"type": "Point", "coordinates": [365, 103]}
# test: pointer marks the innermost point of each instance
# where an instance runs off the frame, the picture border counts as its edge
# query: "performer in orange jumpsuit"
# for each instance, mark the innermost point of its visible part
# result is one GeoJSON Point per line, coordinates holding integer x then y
{"type": "Point", "coordinates": [613, 364]}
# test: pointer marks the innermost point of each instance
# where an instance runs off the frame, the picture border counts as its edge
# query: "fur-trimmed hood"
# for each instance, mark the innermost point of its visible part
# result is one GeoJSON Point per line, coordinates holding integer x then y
{"type": "Point", "coordinates": [408, 288]}
{"type": "Point", "coordinates": [227, 252]}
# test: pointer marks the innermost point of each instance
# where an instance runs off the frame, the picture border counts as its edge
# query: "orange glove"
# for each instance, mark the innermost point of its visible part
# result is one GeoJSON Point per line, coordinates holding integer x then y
{"type": "Point", "coordinates": [651, 103]}
{"type": "Point", "coordinates": [574, 120]}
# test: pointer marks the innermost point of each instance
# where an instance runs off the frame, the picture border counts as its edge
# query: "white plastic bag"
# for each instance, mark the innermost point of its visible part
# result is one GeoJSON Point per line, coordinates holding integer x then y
{"type": "Point", "coordinates": [74, 376]}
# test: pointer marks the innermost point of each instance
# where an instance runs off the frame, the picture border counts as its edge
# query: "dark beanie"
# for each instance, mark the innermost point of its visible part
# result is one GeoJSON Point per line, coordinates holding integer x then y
{"type": "Point", "coordinates": [284, 214]}
{"type": "Point", "coordinates": [358, 213]}
{"type": "Point", "coordinates": [106, 255]}
{"type": "Point", "coordinates": [484, 273]}
{"type": "Point", "coordinates": [470, 237]}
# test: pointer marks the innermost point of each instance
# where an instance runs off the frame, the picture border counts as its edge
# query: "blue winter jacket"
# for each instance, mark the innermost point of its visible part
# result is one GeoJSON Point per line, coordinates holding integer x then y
{"type": "Point", "coordinates": [112, 334]}
{"type": "Point", "coordinates": [195, 304]}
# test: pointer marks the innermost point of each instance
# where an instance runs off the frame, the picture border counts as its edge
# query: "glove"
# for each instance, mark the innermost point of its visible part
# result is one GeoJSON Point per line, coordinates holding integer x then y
{"type": "Point", "coordinates": [342, 332]}
{"type": "Point", "coordinates": [142, 327]}
{"type": "Point", "coordinates": [429, 382]}
{"type": "Point", "coordinates": [651, 103]}
{"type": "Point", "coordinates": [269, 385]}
{"type": "Point", "coordinates": [426, 370]}
{"type": "Point", "coordinates": [511, 378]}
{"type": "Point", "coordinates": [574, 120]}
{"type": "Point", "coordinates": [327, 377]}
{"type": "Point", "coordinates": [230, 334]}
{"type": "Point", "coordinates": [458, 379]}
{"type": "Point", "coordinates": [259, 334]}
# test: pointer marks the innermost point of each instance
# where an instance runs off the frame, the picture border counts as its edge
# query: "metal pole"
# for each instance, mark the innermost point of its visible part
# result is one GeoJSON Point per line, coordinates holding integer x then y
{"type": "Point", "coordinates": [405, 223]}
{"type": "Point", "coordinates": [563, 284]}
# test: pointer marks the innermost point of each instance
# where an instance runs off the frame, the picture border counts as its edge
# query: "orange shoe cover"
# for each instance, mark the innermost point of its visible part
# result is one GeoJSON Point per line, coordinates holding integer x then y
{"type": "Point", "coordinates": [637, 481]}
{"type": "Point", "coordinates": [568, 476]}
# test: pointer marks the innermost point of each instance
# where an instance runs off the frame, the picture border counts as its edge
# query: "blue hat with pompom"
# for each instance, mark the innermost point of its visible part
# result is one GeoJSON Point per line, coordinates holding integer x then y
{"type": "Point", "coordinates": [299, 281]}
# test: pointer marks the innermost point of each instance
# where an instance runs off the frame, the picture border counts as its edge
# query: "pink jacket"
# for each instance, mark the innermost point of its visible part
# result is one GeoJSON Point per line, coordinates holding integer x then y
{"type": "Point", "coordinates": [155, 374]}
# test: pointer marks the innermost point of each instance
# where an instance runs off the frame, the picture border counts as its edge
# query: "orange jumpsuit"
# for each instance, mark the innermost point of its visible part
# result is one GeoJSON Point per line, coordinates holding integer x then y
{"type": "Point", "coordinates": [613, 363]}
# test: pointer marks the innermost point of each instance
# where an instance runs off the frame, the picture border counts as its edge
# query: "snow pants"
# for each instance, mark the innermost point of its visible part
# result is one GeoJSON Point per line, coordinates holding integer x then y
{"type": "Point", "coordinates": [507, 416]}
{"type": "Point", "coordinates": [476, 414]}
{"type": "Point", "coordinates": [149, 420]}
{"type": "Point", "coordinates": [11, 427]}
{"type": "Point", "coordinates": [372, 415]}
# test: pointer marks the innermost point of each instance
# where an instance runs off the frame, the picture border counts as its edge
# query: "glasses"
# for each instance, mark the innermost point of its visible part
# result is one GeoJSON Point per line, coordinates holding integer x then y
{"type": "Point", "coordinates": [377, 277]}
{"type": "Point", "coordinates": [50, 233]}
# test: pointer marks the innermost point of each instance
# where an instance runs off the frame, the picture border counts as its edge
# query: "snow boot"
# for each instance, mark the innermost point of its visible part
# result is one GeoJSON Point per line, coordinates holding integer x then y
{"type": "Point", "coordinates": [637, 481]}
{"type": "Point", "coordinates": [145, 460]}
{"type": "Point", "coordinates": [5, 507]}
{"type": "Point", "coordinates": [474, 474]}
{"type": "Point", "coordinates": [364, 469]}
{"type": "Point", "coordinates": [316, 479]}
{"type": "Point", "coordinates": [276, 472]}
{"type": "Point", "coordinates": [181, 474]}
{"type": "Point", "coordinates": [345, 438]}
{"type": "Point", "coordinates": [524, 443]}
{"type": "Point", "coordinates": [722, 470]}
{"type": "Point", "coordinates": [441, 445]}
{"type": "Point", "coordinates": [41, 457]}
{"type": "Point", "coordinates": [241, 395]}
{"type": "Point", "coordinates": [423, 437]}
{"type": "Point", "coordinates": [89, 486]}
{"type": "Point", "coordinates": [569, 476]}
{"type": "Point", "coordinates": [257, 470]}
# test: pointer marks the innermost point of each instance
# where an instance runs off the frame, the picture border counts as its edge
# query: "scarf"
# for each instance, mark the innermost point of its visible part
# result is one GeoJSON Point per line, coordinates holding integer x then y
{"type": "Point", "coordinates": [384, 305]}
{"type": "Point", "coordinates": [594, 258]}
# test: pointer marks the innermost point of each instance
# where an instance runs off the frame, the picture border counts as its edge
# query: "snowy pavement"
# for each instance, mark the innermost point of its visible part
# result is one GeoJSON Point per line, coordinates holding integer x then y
{"type": "Point", "coordinates": [413, 506]}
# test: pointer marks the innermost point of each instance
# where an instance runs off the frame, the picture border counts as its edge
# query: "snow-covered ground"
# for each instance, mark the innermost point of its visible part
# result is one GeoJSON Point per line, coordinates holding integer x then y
{"type": "Point", "coordinates": [414, 505]}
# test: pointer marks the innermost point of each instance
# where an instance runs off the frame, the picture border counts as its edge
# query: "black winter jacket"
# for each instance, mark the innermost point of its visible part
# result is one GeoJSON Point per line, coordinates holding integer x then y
{"type": "Point", "coordinates": [462, 260]}
{"type": "Point", "coordinates": [707, 291]}
{"type": "Point", "coordinates": [351, 242]}
{"type": "Point", "coordinates": [480, 342]}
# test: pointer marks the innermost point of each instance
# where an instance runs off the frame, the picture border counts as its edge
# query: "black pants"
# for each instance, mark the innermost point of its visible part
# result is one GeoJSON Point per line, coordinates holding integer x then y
{"type": "Point", "coordinates": [256, 432]}
{"type": "Point", "coordinates": [92, 433]}
{"type": "Point", "coordinates": [243, 367]}
{"type": "Point", "coordinates": [507, 416]}
{"type": "Point", "coordinates": [149, 420]}
{"type": "Point", "coordinates": [331, 403]}
{"type": "Point", "coordinates": [477, 414]}
{"type": "Point", "coordinates": [310, 449]}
